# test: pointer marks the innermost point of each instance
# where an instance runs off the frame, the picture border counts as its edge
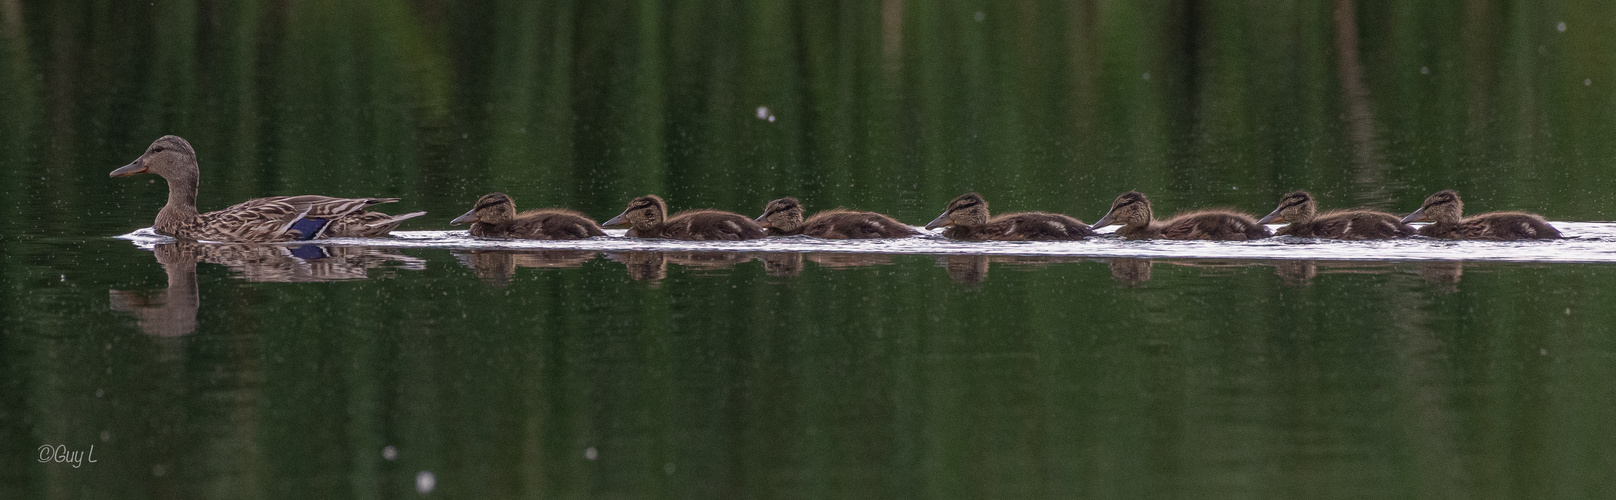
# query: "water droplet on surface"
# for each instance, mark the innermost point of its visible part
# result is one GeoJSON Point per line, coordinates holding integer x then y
{"type": "Point", "coordinates": [1146, 76]}
{"type": "Point", "coordinates": [980, 16]}
{"type": "Point", "coordinates": [667, 468]}
{"type": "Point", "coordinates": [106, 436]}
{"type": "Point", "coordinates": [159, 470]}
{"type": "Point", "coordinates": [591, 454]}
{"type": "Point", "coordinates": [1588, 81]}
{"type": "Point", "coordinates": [1560, 27]}
{"type": "Point", "coordinates": [1425, 70]}
{"type": "Point", "coordinates": [425, 482]}
{"type": "Point", "coordinates": [390, 453]}
{"type": "Point", "coordinates": [763, 112]}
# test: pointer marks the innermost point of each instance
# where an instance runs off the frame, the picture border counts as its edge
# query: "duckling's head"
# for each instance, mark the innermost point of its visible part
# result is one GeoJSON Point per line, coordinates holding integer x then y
{"type": "Point", "coordinates": [644, 212]}
{"type": "Point", "coordinates": [1444, 206]}
{"type": "Point", "coordinates": [784, 214]}
{"type": "Point", "coordinates": [1296, 207]}
{"type": "Point", "coordinates": [492, 208]}
{"type": "Point", "coordinates": [967, 210]}
{"type": "Point", "coordinates": [1130, 209]}
{"type": "Point", "coordinates": [169, 156]}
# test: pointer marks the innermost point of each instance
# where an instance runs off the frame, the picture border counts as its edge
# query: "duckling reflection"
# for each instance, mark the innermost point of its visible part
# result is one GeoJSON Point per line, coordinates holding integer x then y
{"type": "Point", "coordinates": [1297, 272]}
{"type": "Point", "coordinates": [973, 269]}
{"type": "Point", "coordinates": [496, 267]}
{"type": "Point", "coordinates": [173, 312]}
{"type": "Point", "coordinates": [1444, 275]}
{"type": "Point", "coordinates": [653, 266]}
{"type": "Point", "coordinates": [791, 263]}
{"type": "Point", "coordinates": [1130, 271]}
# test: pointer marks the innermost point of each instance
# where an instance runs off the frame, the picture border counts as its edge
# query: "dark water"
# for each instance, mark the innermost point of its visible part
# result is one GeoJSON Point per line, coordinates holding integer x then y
{"type": "Point", "coordinates": [440, 366]}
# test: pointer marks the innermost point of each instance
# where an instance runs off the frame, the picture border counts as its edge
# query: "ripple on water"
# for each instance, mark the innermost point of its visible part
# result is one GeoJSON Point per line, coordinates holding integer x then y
{"type": "Point", "coordinates": [1586, 242]}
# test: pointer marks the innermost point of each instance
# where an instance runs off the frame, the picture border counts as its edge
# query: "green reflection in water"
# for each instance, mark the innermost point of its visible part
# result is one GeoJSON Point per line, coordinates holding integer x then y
{"type": "Point", "coordinates": [951, 377]}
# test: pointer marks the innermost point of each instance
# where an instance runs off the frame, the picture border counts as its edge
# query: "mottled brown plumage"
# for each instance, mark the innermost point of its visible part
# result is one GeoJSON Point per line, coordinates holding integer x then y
{"type": "Point", "coordinates": [494, 216]}
{"type": "Point", "coordinates": [278, 218]}
{"type": "Point", "coordinates": [783, 217]}
{"type": "Point", "coordinates": [1445, 211]}
{"type": "Point", "coordinates": [967, 218]}
{"type": "Point", "coordinates": [1132, 210]}
{"type": "Point", "coordinates": [646, 218]}
{"type": "Point", "coordinates": [1300, 211]}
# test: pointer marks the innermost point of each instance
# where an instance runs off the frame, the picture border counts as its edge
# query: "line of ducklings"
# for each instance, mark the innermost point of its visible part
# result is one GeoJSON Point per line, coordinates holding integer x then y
{"type": "Point", "coordinates": [967, 218]}
{"type": "Point", "coordinates": [293, 218]}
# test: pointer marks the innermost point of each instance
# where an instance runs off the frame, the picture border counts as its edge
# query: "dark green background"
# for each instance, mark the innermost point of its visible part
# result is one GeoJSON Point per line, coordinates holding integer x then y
{"type": "Point", "coordinates": [922, 377]}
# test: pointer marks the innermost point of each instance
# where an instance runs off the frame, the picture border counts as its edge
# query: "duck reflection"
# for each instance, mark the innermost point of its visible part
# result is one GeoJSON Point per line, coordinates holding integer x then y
{"type": "Point", "coordinates": [172, 311]}
{"type": "Point", "coordinates": [496, 267]}
{"type": "Point", "coordinates": [973, 269]}
{"type": "Point", "coordinates": [653, 266]}
{"type": "Point", "coordinates": [1130, 271]}
{"type": "Point", "coordinates": [1443, 275]}
{"type": "Point", "coordinates": [791, 263]}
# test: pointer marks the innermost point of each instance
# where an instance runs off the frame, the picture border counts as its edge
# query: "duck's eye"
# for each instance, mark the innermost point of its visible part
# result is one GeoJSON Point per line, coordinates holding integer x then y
{"type": "Point", "coordinates": [157, 149]}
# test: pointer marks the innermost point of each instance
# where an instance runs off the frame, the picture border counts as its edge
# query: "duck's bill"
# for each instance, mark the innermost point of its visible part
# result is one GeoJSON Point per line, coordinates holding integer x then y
{"type": "Point", "coordinates": [762, 221]}
{"type": "Point", "coordinates": [130, 169]}
{"type": "Point", "coordinates": [469, 216]}
{"type": "Point", "coordinates": [616, 222]}
{"type": "Point", "coordinates": [941, 221]}
{"type": "Point", "coordinates": [1104, 221]}
{"type": "Point", "coordinates": [1414, 217]}
{"type": "Point", "coordinates": [1271, 217]}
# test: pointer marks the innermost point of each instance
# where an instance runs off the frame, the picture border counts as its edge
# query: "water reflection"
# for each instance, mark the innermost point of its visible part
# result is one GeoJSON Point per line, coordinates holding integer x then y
{"type": "Point", "coordinates": [1130, 271]}
{"type": "Point", "coordinates": [973, 269]}
{"type": "Point", "coordinates": [653, 266]}
{"type": "Point", "coordinates": [791, 263]}
{"type": "Point", "coordinates": [496, 267]}
{"type": "Point", "coordinates": [171, 312]}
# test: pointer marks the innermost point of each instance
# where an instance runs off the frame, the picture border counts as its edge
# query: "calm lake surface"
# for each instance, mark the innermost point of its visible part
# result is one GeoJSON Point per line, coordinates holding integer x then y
{"type": "Point", "coordinates": [438, 365]}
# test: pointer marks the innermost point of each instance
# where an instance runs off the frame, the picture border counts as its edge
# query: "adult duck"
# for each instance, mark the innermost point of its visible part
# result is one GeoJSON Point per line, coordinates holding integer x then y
{"type": "Point", "coordinates": [1299, 210]}
{"type": "Point", "coordinates": [967, 218]}
{"type": "Point", "coordinates": [279, 218]}
{"type": "Point", "coordinates": [1132, 210]}
{"type": "Point", "coordinates": [1446, 212]}
{"type": "Point", "coordinates": [494, 216]}
{"type": "Point", "coordinates": [783, 217]}
{"type": "Point", "coordinates": [646, 217]}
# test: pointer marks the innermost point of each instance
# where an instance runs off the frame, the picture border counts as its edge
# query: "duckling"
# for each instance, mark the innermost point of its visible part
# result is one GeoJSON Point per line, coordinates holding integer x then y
{"type": "Point", "coordinates": [783, 217]}
{"type": "Point", "coordinates": [277, 218]}
{"type": "Point", "coordinates": [494, 216]}
{"type": "Point", "coordinates": [1444, 210]}
{"type": "Point", "coordinates": [1132, 210]}
{"type": "Point", "coordinates": [967, 218]}
{"type": "Point", "coordinates": [1298, 208]}
{"type": "Point", "coordinates": [645, 217]}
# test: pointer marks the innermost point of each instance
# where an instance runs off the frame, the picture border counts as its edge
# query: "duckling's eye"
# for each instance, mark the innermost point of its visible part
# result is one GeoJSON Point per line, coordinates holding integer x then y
{"type": "Point", "coordinates": [157, 149]}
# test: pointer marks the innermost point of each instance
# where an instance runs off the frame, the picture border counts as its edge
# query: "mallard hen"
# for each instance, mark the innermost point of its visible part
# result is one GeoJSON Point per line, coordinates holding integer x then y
{"type": "Point", "coordinates": [279, 218]}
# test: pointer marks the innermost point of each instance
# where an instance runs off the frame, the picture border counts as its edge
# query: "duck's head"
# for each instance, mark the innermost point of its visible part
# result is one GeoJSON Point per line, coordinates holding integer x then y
{"type": "Point", "coordinates": [1444, 206]}
{"type": "Point", "coordinates": [1130, 209]}
{"type": "Point", "coordinates": [967, 210]}
{"type": "Point", "coordinates": [492, 208]}
{"type": "Point", "coordinates": [784, 214]}
{"type": "Point", "coordinates": [1296, 207]}
{"type": "Point", "coordinates": [643, 212]}
{"type": "Point", "coordinates": [168, 156]}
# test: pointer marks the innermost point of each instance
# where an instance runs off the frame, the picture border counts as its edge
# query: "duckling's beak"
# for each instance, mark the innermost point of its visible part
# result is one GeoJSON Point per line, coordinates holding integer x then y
{"type": "Point", "coordinates": [131, 169]}
{"type": "Point", "coordinates": [1272, 217]}
{"type": "Point", "coordinates": [469, 216]}
{"type": "Point", "coordinates": [616, 222]}
{"type": "Point", "coordinates": [1104, 221]}
{"type": "Point", "coordinates": [762, 221]}
{"type": "Point", "coordinates": [1414, 217]}
{"type": "Point", "coordinates": [941, 221]}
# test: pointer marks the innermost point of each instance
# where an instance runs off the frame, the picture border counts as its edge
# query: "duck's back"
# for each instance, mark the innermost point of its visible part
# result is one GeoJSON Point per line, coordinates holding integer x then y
{"type": "Point", "coordinates": [1350, 225]}
{"type": "Point", "coordinates": [709, 225]}
{"type": "Point", "coordinates": [847, 224]}
{"type": "Point", "coordinates": [543, 224]}
{"type": "Point", "coordinates": [1214, 225]}
{"type": "Point", "coordinates": [1024, 226]}
{"type": "Point", "coordinates": [1502, 226]}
